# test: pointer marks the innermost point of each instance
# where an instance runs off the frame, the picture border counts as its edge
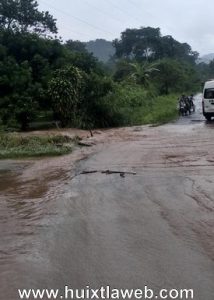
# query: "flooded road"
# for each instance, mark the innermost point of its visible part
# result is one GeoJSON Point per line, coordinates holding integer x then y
{"type": "Point", "coordinates": [66, 223]}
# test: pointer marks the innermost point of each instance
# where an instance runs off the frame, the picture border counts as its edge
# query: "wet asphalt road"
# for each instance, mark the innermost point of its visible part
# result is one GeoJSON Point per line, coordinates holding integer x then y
{"type": "Point", "coordinates": [155, 228]}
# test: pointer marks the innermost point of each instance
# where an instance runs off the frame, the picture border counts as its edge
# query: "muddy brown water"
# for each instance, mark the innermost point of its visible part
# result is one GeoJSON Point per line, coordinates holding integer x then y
{"type": "Point", "coordinates": [60, 227]}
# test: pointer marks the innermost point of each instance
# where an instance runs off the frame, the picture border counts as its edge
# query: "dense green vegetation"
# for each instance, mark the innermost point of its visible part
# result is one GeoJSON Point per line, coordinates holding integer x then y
{"type": "Point", "coordinates": [43, 79]}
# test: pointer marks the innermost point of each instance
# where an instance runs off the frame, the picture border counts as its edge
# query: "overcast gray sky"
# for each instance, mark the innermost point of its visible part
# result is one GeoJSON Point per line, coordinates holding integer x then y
{"type": "Point", "coordinates": [188, 21]}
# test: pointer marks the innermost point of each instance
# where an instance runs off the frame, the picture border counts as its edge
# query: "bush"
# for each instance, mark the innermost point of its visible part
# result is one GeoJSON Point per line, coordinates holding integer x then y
{"type": "Point", "coordinates": [133, 105]}
{"type": "Point", "coordinates": [95, 108]}
{"type": "Point", "coordinates": [163, 110]}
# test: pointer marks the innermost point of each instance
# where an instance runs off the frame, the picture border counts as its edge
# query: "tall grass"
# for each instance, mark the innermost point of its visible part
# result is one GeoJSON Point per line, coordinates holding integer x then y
{"type": "Point", "coordinates": [133, 105]}
{"type": "Point", "coordinates": [163, 110]}
{"type": "Point", "coordinates": [17, 146]}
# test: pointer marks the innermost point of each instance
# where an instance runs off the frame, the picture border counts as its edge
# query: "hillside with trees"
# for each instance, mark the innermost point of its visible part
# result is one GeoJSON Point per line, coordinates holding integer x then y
{"type": "Point", "coordinates": [207, 58]}
{"type": "Point", "coordinates": [43, 79]}
{"type": "Point", "coordinates": [101, 49]}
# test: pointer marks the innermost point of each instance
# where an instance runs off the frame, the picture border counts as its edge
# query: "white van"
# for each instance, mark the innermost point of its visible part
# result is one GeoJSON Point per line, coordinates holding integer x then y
{"type": "Point", "coordinates": [208, 100]}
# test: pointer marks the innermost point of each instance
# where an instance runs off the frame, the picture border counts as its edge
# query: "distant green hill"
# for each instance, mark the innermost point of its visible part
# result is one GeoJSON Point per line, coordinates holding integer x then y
{"type": "Point", "coordinates": [101, 49]}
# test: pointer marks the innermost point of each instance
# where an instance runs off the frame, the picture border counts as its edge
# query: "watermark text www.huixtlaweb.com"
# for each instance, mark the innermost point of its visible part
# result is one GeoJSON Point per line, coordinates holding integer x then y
{"type": "Point", "coordinates": [105, 293]}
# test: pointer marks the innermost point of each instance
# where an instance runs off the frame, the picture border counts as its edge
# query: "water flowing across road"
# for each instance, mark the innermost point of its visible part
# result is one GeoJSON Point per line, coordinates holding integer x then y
{"type": "Point", "coordinates": [65, 223]}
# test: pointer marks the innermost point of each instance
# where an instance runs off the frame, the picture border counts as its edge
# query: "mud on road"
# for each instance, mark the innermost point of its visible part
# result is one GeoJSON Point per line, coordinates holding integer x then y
{"type": "Point", "coordinates": [155, 228]}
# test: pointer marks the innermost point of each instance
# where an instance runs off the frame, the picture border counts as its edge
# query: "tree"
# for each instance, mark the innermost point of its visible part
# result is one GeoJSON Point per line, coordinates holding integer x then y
{"type": "Point", "coordinates": [147, 44]}
{"type": "Point", "coordinates": [16, 92]}
{"type": "Point", "coordinates": [170, 76]}
{"type": "Point", "coordinates": [175, 76]}
{"type": "Point", "coordinates": [27, 63]}
{"type": "Point", "coordinates": [84, 61]}
{"type": "Point", "coordinates": [76, 46]}
{"type": "Point", "coordinates": [211, 69]}
{"type": "Point", "coordinates": [140, 44]}
{"type": "Point", "coordinates": [141, 73]}
{"type": "Point", "coordinates": [65, 91]}
{"type": "Point", "coordinates": [23, 16]}
{"type": "Point", "coordinates": [122, 70]}
{"type": "Point", "coordinates": [132, 71]}
{"type": "Point", "coordinates": [95, 109]}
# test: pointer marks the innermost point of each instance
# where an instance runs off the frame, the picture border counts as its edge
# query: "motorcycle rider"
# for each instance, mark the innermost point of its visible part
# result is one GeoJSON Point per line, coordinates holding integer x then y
{"type": "Point", "coordinates": [188, 105]}
{"type": "Point", "coordinates": [182, 104]}
{"type": "Point", "coordinates": [191, 100]}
